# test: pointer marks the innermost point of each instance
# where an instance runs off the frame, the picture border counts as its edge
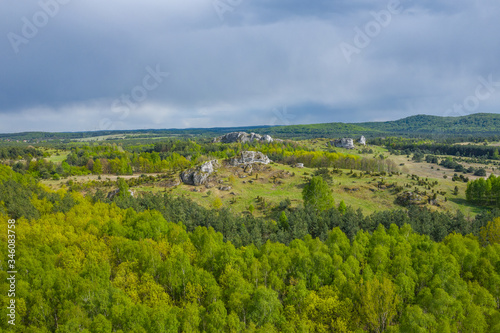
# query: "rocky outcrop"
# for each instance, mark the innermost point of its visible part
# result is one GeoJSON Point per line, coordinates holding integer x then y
{"type": "Point", "coordinates": [267, 138]}
{"type": "Point", "coordinates": [113, 194]}
{"type": "Point", "coordinates": [408, 198]}
{"type": "Point", "coordinates": [249, 157]}
{"type": "Point", "coordinates": [248, 168]}
{"type": "Point", "coordinates": [362, 141]}
{"type": "Point", "coordinates": [199, 175]}
{"type": "Point", "coordinates": [172, 183]}
{"type": "Point", "coordinates": [347, 143]}
{"type": "Point", "coordinates": [232, 137]}
{"type": "Point", "coordinates": [243, 137]}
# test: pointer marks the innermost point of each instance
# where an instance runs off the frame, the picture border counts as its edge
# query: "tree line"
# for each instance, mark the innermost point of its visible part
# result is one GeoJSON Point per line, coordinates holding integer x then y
{"type": "Point", "coordinates": [488, 152]}
{"type": "Point", "coordinates": [16, 153]}
{"type": "Point", "coordinates": [176, 155]}
{"type": "Point", "coordinates": [246, 229]}
{"type": "Point", "coordinates": [484, 191]}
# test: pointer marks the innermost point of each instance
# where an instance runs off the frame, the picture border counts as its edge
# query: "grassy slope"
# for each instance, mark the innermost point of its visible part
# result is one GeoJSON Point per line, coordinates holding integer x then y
{"type": "Point", "coordinates": [57, 157]}
{"type": "Point", "coordinates": [368, 197]}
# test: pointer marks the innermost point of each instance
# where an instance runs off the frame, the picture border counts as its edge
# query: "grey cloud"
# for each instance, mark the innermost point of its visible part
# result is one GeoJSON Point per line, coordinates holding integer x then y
{"type": "Point", "coordinates": [264, 55]}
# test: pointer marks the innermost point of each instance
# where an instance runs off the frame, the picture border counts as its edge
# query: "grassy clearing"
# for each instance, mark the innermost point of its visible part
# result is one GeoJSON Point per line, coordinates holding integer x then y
{"type": "Point", "coordinates": [424, 169]}
{"type": "Point", "coordinates": [362, 193]}
{"type": "Point", "coordinates": [282, 181]}
{"type": "Point", "coordinates": [57, 156]}
{"type": "Point", "coordinates": [102, 138]}
{"type": "Point", "coordinates": [491, 144]}
{"type": "Point", "coordinates": [127, 136]}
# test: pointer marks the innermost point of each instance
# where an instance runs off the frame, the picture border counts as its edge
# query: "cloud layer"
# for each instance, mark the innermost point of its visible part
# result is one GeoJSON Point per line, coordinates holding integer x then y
{"type": "Point", "coordinates": [72, 65]}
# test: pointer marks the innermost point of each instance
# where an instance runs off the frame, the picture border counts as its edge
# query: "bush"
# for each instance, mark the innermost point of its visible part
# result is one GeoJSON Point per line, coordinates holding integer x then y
{"type": "Point", "coordinates": [480, 172]}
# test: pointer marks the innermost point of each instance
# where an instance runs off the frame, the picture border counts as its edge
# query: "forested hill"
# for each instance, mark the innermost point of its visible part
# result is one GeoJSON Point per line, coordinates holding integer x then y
{"type": "Point", "coordinates": [43, 136]}
{"type": "Point", "coordinates": [482, 123]}
{"type": "Point", "coordinates": [478, 125]}
{"type": "Point", "coordinates": [334, 130]}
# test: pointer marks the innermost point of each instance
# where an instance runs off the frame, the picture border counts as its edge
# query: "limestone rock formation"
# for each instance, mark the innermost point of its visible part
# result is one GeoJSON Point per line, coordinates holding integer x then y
{"type": "Point", "coordinates": [113, 194]}
{"type": "Point", "coordinates": [267, 138]}
{"type": "Point", "coordinates": [347, 143]}
{"type": "Point", "coordinates": [362, 141]}
{"type": "Point", "coordinates": [249, 157]}
{"type": "Point", "coordinates": [408, 198]}
{"type": "Point", "coordinates": [232, 137]}
{"type": "Point", "coordinates": [243, 137]}
{"type": "Point", "coordinates": [248, 168]}
{"type": "Point", "coordinates": [199, 175]}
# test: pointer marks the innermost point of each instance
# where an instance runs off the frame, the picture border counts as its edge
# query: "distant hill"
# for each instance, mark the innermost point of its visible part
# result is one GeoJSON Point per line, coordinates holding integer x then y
{"type": "Point", "coordinates": [142, 132]}
{"type": "Point", "coordinates": [479, 125]}
{"type": "Point", "coordinates": [485, 123]}
{"type": "Point", "coordinates": [320, 130]}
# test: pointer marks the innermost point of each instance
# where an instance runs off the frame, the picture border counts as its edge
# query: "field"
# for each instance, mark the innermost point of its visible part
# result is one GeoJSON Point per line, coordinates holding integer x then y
{"type": "Point", "coordinates": [57, 156]}
{"type": "Point", "coordinates": [362, 193]}
{"type": "Point", "coordinates": [261, 191]}
{"type": "Point", "coordinates": [277, 182]}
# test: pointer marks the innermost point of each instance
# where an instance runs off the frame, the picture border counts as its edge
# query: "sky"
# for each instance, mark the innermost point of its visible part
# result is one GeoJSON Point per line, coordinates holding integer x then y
{"type": "Point", "coordinates": [75, 65]}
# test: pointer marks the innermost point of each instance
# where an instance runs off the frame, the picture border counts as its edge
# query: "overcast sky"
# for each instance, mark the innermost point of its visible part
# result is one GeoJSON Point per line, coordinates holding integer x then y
{"type": "Point", "coordinates": [75, 65]}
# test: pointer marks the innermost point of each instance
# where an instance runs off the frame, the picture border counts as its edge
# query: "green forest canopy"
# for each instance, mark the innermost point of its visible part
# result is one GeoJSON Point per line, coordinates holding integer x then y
{"type": "Point", "coordinates": [94, 267]}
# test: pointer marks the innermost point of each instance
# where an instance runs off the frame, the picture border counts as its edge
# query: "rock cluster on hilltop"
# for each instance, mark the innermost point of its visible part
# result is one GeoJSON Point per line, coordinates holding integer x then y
{"type": "Point", "coordinates": [347, 143]}
{"type": "Point", "coordinates": [362, 141]}
{"type": "Point", "coordinates": [199, 175]}
{"type": "Point", "coordinates": [249, 157]}
{"type": "Point", "coordinates": [243, 137]}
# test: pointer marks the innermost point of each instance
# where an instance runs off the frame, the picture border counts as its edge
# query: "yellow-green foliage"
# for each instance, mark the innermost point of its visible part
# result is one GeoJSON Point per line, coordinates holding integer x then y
{"type": "Point", "coordinates": [84, 266]}
{"type": "Point", "coordinates": [101, 266]}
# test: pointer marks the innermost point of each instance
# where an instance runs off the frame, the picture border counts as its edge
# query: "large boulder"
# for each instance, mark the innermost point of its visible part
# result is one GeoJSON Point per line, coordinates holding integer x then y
{"type": "Point", "coordinates": [347, 143]}
{"type": "Point", "coordinates": [233, 137]}
{"type": "Point", "coordinates": [267, 138]}
{"type": "Point", "coordinates": [249, 157]}
{"type": "Point", "coordinates": [199, 175]}
{"type": "Point", "coordinates": [243, 137]}
{"type": "Point", "coordinates": [362, 141]}
{"type": "Point", "coordinates": [409, 198]}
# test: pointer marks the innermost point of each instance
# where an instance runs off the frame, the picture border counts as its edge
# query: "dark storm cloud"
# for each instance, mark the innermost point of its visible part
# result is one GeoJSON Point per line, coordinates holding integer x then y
{"type": "Point", "coordinates": [88, 64]}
